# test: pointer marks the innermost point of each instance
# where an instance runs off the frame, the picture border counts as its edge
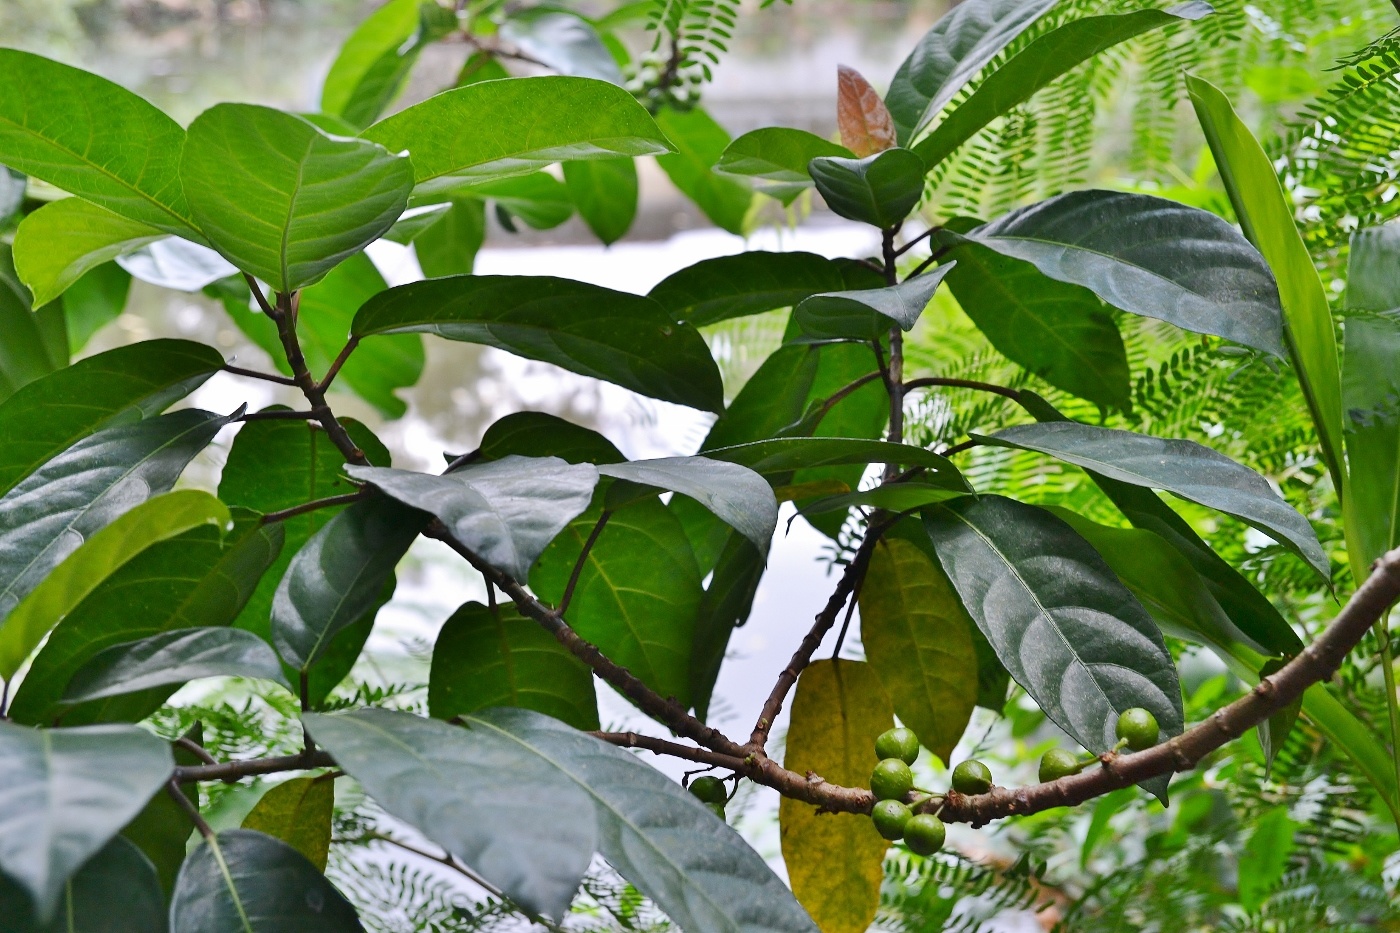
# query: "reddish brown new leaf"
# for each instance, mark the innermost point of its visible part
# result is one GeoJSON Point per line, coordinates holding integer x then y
{"type": "Point", "coordinates": [865, 123]}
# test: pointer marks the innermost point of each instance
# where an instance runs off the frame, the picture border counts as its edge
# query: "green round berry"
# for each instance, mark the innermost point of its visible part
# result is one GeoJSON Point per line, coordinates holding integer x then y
{"type": "Point", "coordinates": [891, 779]}
{"type": "Point", "coordinates": [1138, 728]}
{"type": "Point", "coordinates": [709, 789]}
{"type": "Point", "coordinates": [972, 777]}
{"type": "Point", "coordinates": [924, 834]}
{"type": "Point", "coordinates": [889, 817]}
{"type": "Point", "coordinates": [717, 809]}
{"type": "Point", "coordinates": [1058, 763]}
{"type": "Point", "coordinates": [898, 743]}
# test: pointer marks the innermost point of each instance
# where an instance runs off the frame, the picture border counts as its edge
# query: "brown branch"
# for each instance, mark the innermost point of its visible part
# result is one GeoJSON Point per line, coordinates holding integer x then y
{"type": "Point", "coordinates": [329, 502]}
{"type": "Point", "coordinates": [233, 770]}
{"type": "Point", "coordinates": [285, 315]}
{"type": "Point", "coordinates": [929, 381]}
{"type": "Point", "coordinates": [279, 415]}
{"type": "Point", "coordinates": [662, 747]}
{"type": "Point", "coordinates": [582, 559]}
{"type": "Point", "coordinates": [344, 355]}
{"type": "Point", "coordinates": [254, 374]}
{"type": "Point", "coordinates": [172, 787]}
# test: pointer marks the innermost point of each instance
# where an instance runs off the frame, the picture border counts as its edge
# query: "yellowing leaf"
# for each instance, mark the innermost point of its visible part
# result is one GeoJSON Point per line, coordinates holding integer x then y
{"type": "Point", "coordinates": [834, 860]}
{"type": "Point", "coordinates": [918, 638]}
{"type": "Point", "coordinates": [865, 123]}
{"type": "Point", "coordinates": [299, 813]}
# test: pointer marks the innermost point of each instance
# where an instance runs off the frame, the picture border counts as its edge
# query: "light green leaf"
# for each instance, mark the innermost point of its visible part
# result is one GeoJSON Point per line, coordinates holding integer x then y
{"type": "Point", "coordinates": [563, 42]}
{"type": "Point", "coordinates": [64, 793]}
{"type": "Point", "coordinates": [298, 812]}
{"type": "Point", "coordinates": [110, 146]}
{"type": "Point", "coordinates": [918, 638]}
{"type": "Point", "coordinates": [605, 193]}
{"type": "Point", "coordinates": [625, 339]}
{"type": "Point", "coordinates": [752, 282]}
{"type": "Point", "coordinates": [415, 222]}
{"type": "Point", "coordinates": [35, 341]}
{"type": "Point", "coordinates": [870, 313]}
{"type": "Point", "coordinates": [879, 190]}
{"type": "Point", "coordinates": [835, 860]}
{"type": "Point", "coordinates": [449, 247]}
{"type": "Point", "coordinates": [116, 891]}
{"type": "Point", "coordinates": [174, 658]}
{"type": "Point", "coordinates": [58, 243]}
{"type": "Point", "coordinates": [496, 657]}
{"type": "Point", "coordinates": [474, 133]}
{"type": "Point", "coordinates": [539, 199]}
{"type": "Point", "coordinates": [699, 143]}
{"type": "Point", "coordinates": [735, 494]}
{"type": "Point", "coordinates": [281, 200]}
{"type": "Point", "coordinates": [776, 158]}
{"type": "Point", "coordinates": [93, 302]}
{"type": "Point", "coordinates": [1265, 857]}
{"type": "Point", "coordinates": [375, 61]}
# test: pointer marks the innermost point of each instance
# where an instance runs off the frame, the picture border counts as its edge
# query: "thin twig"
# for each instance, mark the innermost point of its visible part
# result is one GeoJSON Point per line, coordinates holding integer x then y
{"type": "Point", "coordinates": [919, 269]}
{"type": "Point", "coordinates": [916, 240]}
{"type": "Point", "coordinates": [344, 355]}
{"type": "Point", "coordinates": [266, 377]}
{"type": "Point", "coordinates": [959, 448]}
{"type": "Point", "coordinates": [328, 502]}
{"type": "Point", "coordinates": [675, 750]}
{"type": "Point", "coordinates": [285, 315]}
{"type": "Point", "coordinates": [172, 787]}
{"type": "Point", "coordinates": [253, 767]}
{"type": "Point", "coordinates": [925, 382]}
{"type": "Point", "coordinates": [582, 559]}
{"type": "Point", "coordinates": [846, 622]}
{"type": "Point", "coordinates": [258, 295]}
{"type": "Point", "coordinates": [197, 750]}
{"type": "Point", "coordinates": [279, 415]}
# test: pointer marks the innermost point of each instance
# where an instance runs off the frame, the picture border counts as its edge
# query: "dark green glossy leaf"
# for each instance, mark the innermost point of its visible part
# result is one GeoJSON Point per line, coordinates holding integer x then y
{"type": "Point", "coordinates": [163, 829]}
{"type": "Point", "coordinates": [474, 133]}
{"type": "Point", "coordinates": [728, 600]}
{"type": "Point", "coordinates": [116, 891]}
{"type": "Point", "coordinates": [605, 193]}
{"type": "Point", "coordinates": [879, 190]}
{"type": "Point", "coordinates": [283, 201]}
{"type": "Point", "coordinates": [128, 383]}
{"type": "Point", "coordinates": [715, 290]}
{"type": "Point", "coordinates": [486, 658]}
{"type": "Point", "coordinates": [35, 343]}
{"type": "Point", "coordinates": [449, 247]}
{"type": "Point", "coordinates": [173, 658]}
{"type": "Point", "coordinates": [1182, 467]}
{"type": "Point", "coordinates": [896, 497]}
{"type": "Point", "coordinates": [657, 835]}
{"type": "Point", "coordinates": [700, 142]}
{"type": "Point", "coordinates": [200, 577]}
{"type": "Point", "coordinates": [299, 812]}
{"type": "Point", "coordinates": [1060, 332]}
{"type": "Point", "coordinates": [782, 455]}
{"type": "Point", "coordinates": [64, 793]}
{"type": "Point", "coordinates": [776, 158]}
{"type": "Point", "coordinates": [563, 42]}
{"type": "Point", "coordinates": [951, 54]}
{"type": "Point", "coordinates": [539, 199]}
{"type": "Point", "coordinates": [1067, 630]}
{"type": "Point", "coordinates": [870, 313]}
{"type": "Point", "coordinates": [735, 494]}
{"type": "Point", "coordinates": [52, 511]}
{"type": "Point", "coordinates": [375, 61]}
{"type": "Point", "coordinates": [110, 146]}
{"type": "Point", "coordinates": [93, 302]}
{"type": "Point", "coordinates": [246, 882]}
{"type": "Point", "coordinates": [58, 243]}
{"type": "Point", "coordinates": [1039, 64]}
{"type": "Point", "coordinates": [625, 339]}
{"type": "Point", "coordinates": [1148, 256]}
{"type": "Point", "coordinates": [514, 817]}
{"type": "Point", "coordinates": [536, 434]}
{"type": "Point", "coordinates": [506, 512]}
{"type": "Point", "coordinates": [337, 576]}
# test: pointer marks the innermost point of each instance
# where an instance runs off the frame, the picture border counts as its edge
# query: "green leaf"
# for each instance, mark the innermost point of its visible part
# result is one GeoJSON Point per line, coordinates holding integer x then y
{"type": "Point", "coordinates": [879, 190]}
{"type": "Point", "coordinates": [1058, 331]}
{"type": "Point", "coordinates": [1105, 808]}
{"type": "Point", "coordinates": [163, 829]}
{"type": "Point", "coordinates": [276, 465]}
{"type": "Point", "coordinates": [835, 860]}
{"type": "Point", "coordinates": [892, 497]}
{"type": "Point", "coordinates": [514, 817]}
{"type": "Point", "coordinates": [776, 158]}
{"type": "Point", "coordinates": [91, 138]}
{"type": "Point", "coordinates": [539, 199]}
{"type": "Point", "coordinates": [753, 282]}
{"type": "Point", "coordinates": [486, 658]}
{"type": "Point", "coordinates": [1265, 857]}
{"type": "Point", "coordinates": [35, 343]}
{"type": "Point", "coordinates": [1369, 389]}
{"type": "Point", "coordinates": [657, 835]}
{"type": "Point", "coordinates": [951, 54]}
{"type": "Point", "coordinates": [415, 222]}
{"type": "Point", "coordinates": [725, 606]}
{"type": "Point", "coordinates": [299, 813]}
{"type": "Point", "coordinates": [536, 434]}
{"type": "Point", "coordinates": [1058, 618]}
{"type": "Point", "coordinates": [61, 241]}
{"type": "Point", "coordinates": [605, 193]}
{"type": "Point", "coordinates": [199, 578]}
{"type": "Point", "coordinates": [46, 417]}
{"type": "Point", "coordinates": [64, 793]}
{"type": "Point", "coordinates": [116, 891]}
{"type": "Point", "coordinates": [283, 201]}
{"type": "Point", "coordinates": [1148, 256]}
{"type": "Point", "coordinates": [449, 247]}
{"type": "Point", "coordinates": [918, 638]}
{"type": "Point", "coordinates": [562, 42]}
{"type": "Point", "coordinates": [1182, 467]}
{"type": "Point", "coordinates": [52, 520]}
{"type": "Point", "coordinates": [1343, 729]}
{"type": "Point", "coordinates": [173, 658]}
{"type": "Point", "coordinates": [1266, 217]}
{"type": "Point", "coordinates": [373, 64]}
{"type": "Point", "coordinates": [784, 454]}
{"type": "Point", "coordinates": [620, 338]}
{"type": "Point", "coordinates": [474, 133]}
{"type": "Point", "coordinates": [506, 512]}
{"type": "Point", "coordinates": [1038, 65]}
{"type": "Point", "coordinates": [246, 882]}
{"type": "Point", "coordinates": [699, 142]}
{"type": "Point", "coordinates": [93, 302]}
{"type": "Point", "coordinates": [637, 593]}
{"type": "Point", "coordinates": [869, 314]}
{"type": "Point", "coordinates": [337, 576]}
{"type": "Point", "coordinates": [735, 494]}
{"type": "Point", "coordinates": [177, 264]}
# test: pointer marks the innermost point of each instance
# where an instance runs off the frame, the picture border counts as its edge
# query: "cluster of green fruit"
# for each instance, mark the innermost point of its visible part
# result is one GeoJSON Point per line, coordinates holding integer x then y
{"type": "Point", "coordinates": [1137, 730]}
{"type": "Point", "coordinates": [892, 781]}
{"type": "Point", "coordinates": [712, 793]}
{"type": "Point", "coordinates": [649, 82]}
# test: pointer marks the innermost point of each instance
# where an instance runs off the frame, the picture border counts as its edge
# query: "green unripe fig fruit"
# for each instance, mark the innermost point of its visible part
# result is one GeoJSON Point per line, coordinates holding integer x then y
{"type": "Point", "coordinates": [718, 810]}
{"type": "Point", "coordinates": [972, 777]}
{"type": "Point", "coordinates": [1138, 728]}
{"type": "Point", "coordinates": [889, 817]}
{"type": "Point", "coordinates": [1058, 763]}
{"type": "Point", "coordinates": [709, 789]}
{"type": "Point", "coordinates": [891, 779]}
{"type": "Point", "coordinates": [924, 834]}
{"type": "Point", "coordinates": [898, 743]}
